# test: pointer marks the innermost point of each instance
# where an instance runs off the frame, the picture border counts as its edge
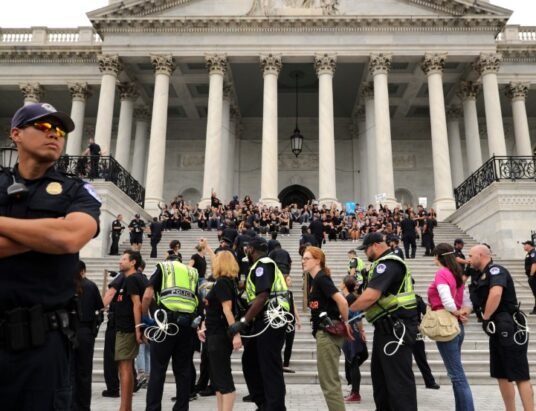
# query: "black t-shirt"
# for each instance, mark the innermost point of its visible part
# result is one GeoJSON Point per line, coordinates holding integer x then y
{"type": "Point", "coordinates": [200, 264]}
{"type": "Point", "coordinates": [89, 301]}
{"type": "Point", "coordinates": [223, 290]}
{"type": "Point", "coordinates": [34, 277]}
{"type": "Point", "coordinates": [496, 275]}
{"type": "Point", "coordinates": [459, 254]}
{"type": "Point", "coordinates": [156, 230]}
{"type": "Point", "coordinates": [320, 299]}
{"type": "Point", "coordinates": [282, 259]}
{"type": "Point", "coordinates": [408, 228]}
{"type": "Point", "coordinates": [137, 226]}
{"type": "Point", "coordinates": [134, 284]}
{"type": "Point", "coordinates": [117, 227]}
{"type": "Point", "coordinates": [94, 149]}
{"type": "Point", "coordinates": [529, 260]}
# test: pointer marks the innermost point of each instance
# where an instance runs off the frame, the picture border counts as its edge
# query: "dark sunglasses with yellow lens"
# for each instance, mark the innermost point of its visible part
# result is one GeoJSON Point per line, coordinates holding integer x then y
{"type": "Point", "coordinates": [46, 126]}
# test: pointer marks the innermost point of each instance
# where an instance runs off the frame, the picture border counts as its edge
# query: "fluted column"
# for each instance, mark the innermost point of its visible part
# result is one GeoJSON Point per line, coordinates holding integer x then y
{"type": "Point", "coordinates": [33, 92]}
{"type": "Point", "coordinates": [109, 66]}
{"type": "Point", "coordinates": [163, 67]}
{"type": "Point", "coordinates": [129, 94]}
{"type": "Point", "coordinates": [225, 143]}
{"type": "Point", "coordinates": [271, 66]}
{"type": "Point", "coordinates": [468, 92]}
{"type": "Point", "coordinates": [80, 92]}
{"type": "Point", "coordinates": [325, 70]}
{"type": "Point", "coordinates": [139, 158]}
{"type": "Point", "coordinates": [455, 146]}
{"type": "Point", "coordinates": [517, 93]}
{"type": "Point", "coordinates": [379, 67]}
{"type": "Point", "coordinates": [217, 65]}
{"type": "Point", "coordinates": [360, 134]}
{"type": "Point", "coordinates": [232, 159]}
{"type": "Point", "coordinates": [444, 203]}
{"type": "Point", "coordinates": [488, 67]}
{"type": "Point", "coordinates": [369, 134]}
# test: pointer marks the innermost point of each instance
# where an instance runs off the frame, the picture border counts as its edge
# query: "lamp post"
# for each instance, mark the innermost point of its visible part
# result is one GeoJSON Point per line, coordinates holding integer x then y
{"type": "Point", "coordinates": [9, 155]}
{"type": "Point", "coordinates": [296, 139]}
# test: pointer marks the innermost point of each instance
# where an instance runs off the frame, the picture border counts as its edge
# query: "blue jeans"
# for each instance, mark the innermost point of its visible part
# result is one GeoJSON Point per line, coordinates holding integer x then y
{"type": "Point", "coordinates": [143, 361]}
{"type": "Point", "coordinates": [451, 354]}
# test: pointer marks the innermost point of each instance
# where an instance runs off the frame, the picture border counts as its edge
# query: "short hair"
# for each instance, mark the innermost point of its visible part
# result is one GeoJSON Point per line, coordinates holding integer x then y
{"type": "Point", "coordinates": [225, 265]}
{"type": "Point", "coordinates": [350, 282]}
{"type": "Point", "coordinates": [174, 243]}
{"type": "Point", "coordinates": [134, 256]}
{"type": "Point", "coordinates": [81, 266]}
{"type": "Point", "coordinates": [352, 251]}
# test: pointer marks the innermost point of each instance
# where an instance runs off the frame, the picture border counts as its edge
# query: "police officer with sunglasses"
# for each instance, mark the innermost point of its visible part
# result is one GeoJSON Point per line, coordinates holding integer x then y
{"type": "Point", "coordinates": [46, 217]}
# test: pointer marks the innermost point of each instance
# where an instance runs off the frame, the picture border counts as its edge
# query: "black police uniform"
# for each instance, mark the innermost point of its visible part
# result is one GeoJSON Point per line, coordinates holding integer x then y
{"type": "Point", "coordinates": [508, 359]}
{"type": "Point", "coordinates": [392, 376]}
{"type": "Point", "coordinates": [90, 304]}
{"type": "Point", "coordinates": [35, 294]}
{"type": "Point", "coordinates": [409, 236]}
{"type": "Point", "coordinates": [428, 236]}
{"type": "Point", "coordinates": [136, 235]}
{"type": "Point", "coordinates": [95, 153]}
{"type": "Point", "coordinates": [398, 252]}
{"type": "Point", "coordinates": [529, 260]}
{"type": "Point", "coordinates": [156, 235]}
{"type": "Point", "coordinates": [261, 361]}
{"type": "Point", "coordinates": [117, 229]}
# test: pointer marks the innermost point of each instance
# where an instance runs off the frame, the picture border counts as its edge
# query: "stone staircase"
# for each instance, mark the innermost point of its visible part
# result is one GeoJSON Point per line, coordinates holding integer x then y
{"type": "Point", "coordinates": [475, 347]}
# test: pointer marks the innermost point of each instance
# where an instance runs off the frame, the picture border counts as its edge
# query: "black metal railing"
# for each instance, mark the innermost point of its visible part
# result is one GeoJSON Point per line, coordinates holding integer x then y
{"type": "Point", "coordinates": [497, 168]}
{"type": "Point", "coordinates": [105, 167]}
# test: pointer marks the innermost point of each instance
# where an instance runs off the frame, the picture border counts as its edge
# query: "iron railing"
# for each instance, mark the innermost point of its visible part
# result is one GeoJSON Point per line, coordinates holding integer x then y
{"type": "Point", "coordinates": [103, 167]}
{"type": "Point", "coordinates": [497, 168]}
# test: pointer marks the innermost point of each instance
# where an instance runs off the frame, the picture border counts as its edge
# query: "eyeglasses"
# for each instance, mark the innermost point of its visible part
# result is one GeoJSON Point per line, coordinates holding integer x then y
{"type": "Point", "coordinates": [307, 258]}
{"type": "Point", "coordinates": [46, 126]}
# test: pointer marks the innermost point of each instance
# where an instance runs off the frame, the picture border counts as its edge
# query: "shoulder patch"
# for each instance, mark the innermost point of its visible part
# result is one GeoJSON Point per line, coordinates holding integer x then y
{"type": "Point", "coordinates": [259, 272]}
{"type": "Point", "coordinates": [495, 271]}
{"type": "Point", "coordinates": [533, 255]}
{"type": "Point", "coordinates": [92, 192]}
{"type": "Point", "coordinates": [380, 269]}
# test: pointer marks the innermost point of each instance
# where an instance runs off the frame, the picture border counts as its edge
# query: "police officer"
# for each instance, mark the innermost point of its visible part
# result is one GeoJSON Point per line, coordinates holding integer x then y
{"type": "Point", "coordinates": [355, 266]}
{"type": "Point", "coordinates": [530, 268]}
{"type": "Point", "coordinates": [393, 242]}
{"type": "Point", "coordinates": [156, 235]}
{"type": "Point", "coordinates": [90, 312]}
{"type": "Point", "coordinates": [117, 230]}
{"type": "Point", "coordinates": [261, 361]}
{"type": "Point", "coordinates": [136, 226]}
{"type": "Point", "coordinates": [175, 287]}
{"type": "Point", "coordinates": [506, 327]}
{"type": "Point", "coordinates": [408, 226]}
{"type": "Point", "coordinates": [46, 217]}
{"type": "Point", "coordinates": [390, 305]}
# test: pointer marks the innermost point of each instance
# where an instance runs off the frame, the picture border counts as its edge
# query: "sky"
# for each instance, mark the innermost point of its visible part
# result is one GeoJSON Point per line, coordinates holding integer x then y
{"type": "Point", "coordinates": [72, 13]}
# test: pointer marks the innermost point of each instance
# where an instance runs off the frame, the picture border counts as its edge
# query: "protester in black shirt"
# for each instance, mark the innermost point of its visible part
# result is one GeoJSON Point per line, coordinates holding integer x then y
{"type": "Point", "coordinates": [199, 261]}
{"type": "Point", "coordinates": [281, 258]}
{"type": "Point", "coordinates": [94, 150]}
{"type": "Point", "coordinates": [460, 257]}
{"type": "Point", "coordinates": [316, 228]}
{"type": "Point", "coordinates": [173, 252]}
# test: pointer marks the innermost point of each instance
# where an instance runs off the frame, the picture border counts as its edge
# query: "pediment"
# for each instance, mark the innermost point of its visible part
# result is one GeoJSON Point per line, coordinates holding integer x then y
{"type": "Point", "coordinates": [173, 9]}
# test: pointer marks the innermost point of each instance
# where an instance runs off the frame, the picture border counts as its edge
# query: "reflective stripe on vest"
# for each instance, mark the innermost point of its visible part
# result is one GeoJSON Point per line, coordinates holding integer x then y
{"type": "Point", "coordinates": [404, 298]}
{"type": "Point", "coordinates": [279, 288]}
{"type": "Point", "coordinates": [179, 283]}
{"type": "Point", "coordinates": [358, 270]}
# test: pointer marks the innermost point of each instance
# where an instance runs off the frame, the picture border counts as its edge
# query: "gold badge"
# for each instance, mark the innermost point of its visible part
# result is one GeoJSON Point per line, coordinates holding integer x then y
{"type": "Point", "coordinates": [54, 189]}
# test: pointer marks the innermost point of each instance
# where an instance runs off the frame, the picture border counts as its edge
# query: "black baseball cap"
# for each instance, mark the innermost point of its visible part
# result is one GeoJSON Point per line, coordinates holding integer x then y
{"type": "Point", "coordinates": [528, 242]}
{"type": "Point", "coordinates": [258, 243]}
{"type": "Point", "coordinates": [458, 241]}
{"type": "Point", "coordinates": [370, 239]}
{"type": "Point", "coordinates": [37, 111]}
{"type": "Point", "coordinates": [393, 237]}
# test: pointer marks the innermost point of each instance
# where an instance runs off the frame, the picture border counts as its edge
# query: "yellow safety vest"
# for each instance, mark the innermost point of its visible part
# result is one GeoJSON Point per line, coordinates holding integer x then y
{"type": "Point", "coordinates": [179, 284]}
{"type": "Point", "coordinates": [358, 269]}
{"type": "Point", "coordinates": [404, 298]}
{"type": "Point", "coordinates": [279, 288]}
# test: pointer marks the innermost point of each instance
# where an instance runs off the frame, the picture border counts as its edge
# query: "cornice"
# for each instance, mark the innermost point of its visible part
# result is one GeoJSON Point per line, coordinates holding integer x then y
{"type": "Point", "coordinates": [517, 54]}
{"type": "Point", "coordinates": [25, 56]}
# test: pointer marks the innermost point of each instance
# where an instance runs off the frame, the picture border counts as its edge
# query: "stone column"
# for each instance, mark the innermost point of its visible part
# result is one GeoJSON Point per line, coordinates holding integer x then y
{"type": "Point", "coordinates": [444, 204]}
{"type": "Point", "coordinates": [488, 67]}
{"type": "Point", "coordinates": [110, 66]}
{"type": "Point", "coordinates": [327, 189]}
{"type": "Point", "coordinates": [33, 92]}
{"type": "Point", "coordinates": [129, 94]}
{"type": "Point", "coordinates": [139, 158]}
{"type": "Point", "coordinates": [80, 92]}
{"type": "Point", "coordinates": [369, 134]}
{"type": "Point", "coordinates": [379, 67]}
{"type": "Point", "coordinates": [271, 66]}
{"type": "Point", "coordinates": [517, 93]}
{"type": "Point", "coordinates": [360, 134]}
{"type": "Point", "coordinates": [224, 195]}
{"type": "Point", "coordinates": [233, 157]}
{"type": "Point", "coordinates": [455, 146]}
{"type": "Point", "coordinates": [217, 65]}
{"type": "Point", "coordinates": [163, 67]}
{"type": "Point", "coordinates": [467, 93]}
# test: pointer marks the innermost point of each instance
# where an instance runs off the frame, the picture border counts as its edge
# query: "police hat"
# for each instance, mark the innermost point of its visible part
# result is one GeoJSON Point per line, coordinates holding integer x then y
{"type": "Point", "coordinates": [528, 242]}
{"type": "Point", "coordinates": [258, 243]}
{"type": "Point", "coordinates": [37, 111]}
{"type": "Point", "coordinates": [458, 241]}
{"type": "Point", "coordinates": [370, 239]}
{"type": "Point", "coordinates": [393, 237]}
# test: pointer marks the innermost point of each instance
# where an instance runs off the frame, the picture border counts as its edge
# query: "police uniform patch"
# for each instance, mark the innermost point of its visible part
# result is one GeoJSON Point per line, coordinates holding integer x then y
{"type": "Point", "coordinates": [533, 255]}
{"type": "Point", "coordinates": [92, 192]}
{"type": "Point", "coordinates": [494, 270]}
{"type": "Point", "coordinates": [259, 271]}
{"type": "Point", "coordinates": [54, 188]}
{"type": "Point", "coordinates": [380, 269]}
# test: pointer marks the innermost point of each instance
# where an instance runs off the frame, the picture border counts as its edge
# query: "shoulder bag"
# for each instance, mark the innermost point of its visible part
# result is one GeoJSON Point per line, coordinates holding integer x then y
{"type": "Point", "coordinates": [439, 325]}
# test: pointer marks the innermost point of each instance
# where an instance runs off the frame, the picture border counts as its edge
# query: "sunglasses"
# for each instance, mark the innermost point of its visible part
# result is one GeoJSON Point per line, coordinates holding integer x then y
{"type": "Point", "coordinates": [46, 126]}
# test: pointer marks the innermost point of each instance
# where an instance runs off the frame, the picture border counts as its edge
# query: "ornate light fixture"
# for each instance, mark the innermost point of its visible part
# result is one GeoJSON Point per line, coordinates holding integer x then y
{"type": "Point", "coordinates": [9, 155]}
{"type": "Point", "coordinates": [296, 139]}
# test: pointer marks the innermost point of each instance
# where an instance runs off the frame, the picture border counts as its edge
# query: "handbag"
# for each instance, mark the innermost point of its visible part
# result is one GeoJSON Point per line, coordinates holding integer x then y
{"type": "Point", "coordinates": [439, 325]}
{"type": "Point", "coordinates": [338, 328]}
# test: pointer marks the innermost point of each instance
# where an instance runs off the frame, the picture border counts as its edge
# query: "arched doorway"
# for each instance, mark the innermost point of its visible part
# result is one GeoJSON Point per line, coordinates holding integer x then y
{"type": "Point", "coordinates": [295, 194]}
{"type": "Point", "coordinates": [404, 197]}
{"type": "Point", "coordinates": [191, 195]}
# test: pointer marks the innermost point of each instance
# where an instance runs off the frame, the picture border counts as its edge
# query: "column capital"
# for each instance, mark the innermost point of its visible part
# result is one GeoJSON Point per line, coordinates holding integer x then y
{"type": "Point", "coordinates": [516, 91]}
{"type": "Point", "coordinates": [454, 112]}
{"type": "Point", "coordinates": [433, 63]}
{"type": "Point", "coordinates": [80, 91]}
{"type": "Point", "coordinates": [228, 89]}
{"type": "Point", "coordinates": [128, 90]}
{"type": "Point", "coordinates": [325, 64]}
{"type": "Point", "coordinates": [142, 113]}
{"type": "Point", "coordinates": [367, 90]}
{"type": "Point", "coordinates": [488, 63]}
{"type": "Point", "coordinates": [271, 64]}
{"type": "Point", "coordinates": [109, 64]}
{"type": "Point", "coordinates": [216, 63]}
{"type": "Point", "coordinates": [32, 92]}
{"type": "Point", "coordinates": [380, 63]}
{"type": "Point", "coordinates": [163, 64]}
{"type": "Point", "coordinates": [468, 90]}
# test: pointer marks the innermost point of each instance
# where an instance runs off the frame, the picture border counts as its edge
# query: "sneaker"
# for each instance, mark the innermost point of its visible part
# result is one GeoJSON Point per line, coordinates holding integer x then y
{"type": "Point", "coordinates": [353, 398]}
{"type": "Point", "coordinates": [110, 394]}
{"type": "Point", "coordinates": [434, 386]}
{"type": "Point", "coordinates": [289, 370]}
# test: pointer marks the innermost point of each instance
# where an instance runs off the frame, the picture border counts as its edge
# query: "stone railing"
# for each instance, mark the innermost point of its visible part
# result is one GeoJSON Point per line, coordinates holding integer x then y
{"type": "Point", "coordinates": [43, 36]}
{"type": "Point", "coordinates": [517, 34]}
{"type": "Point", "coordinates": [497, 168]}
